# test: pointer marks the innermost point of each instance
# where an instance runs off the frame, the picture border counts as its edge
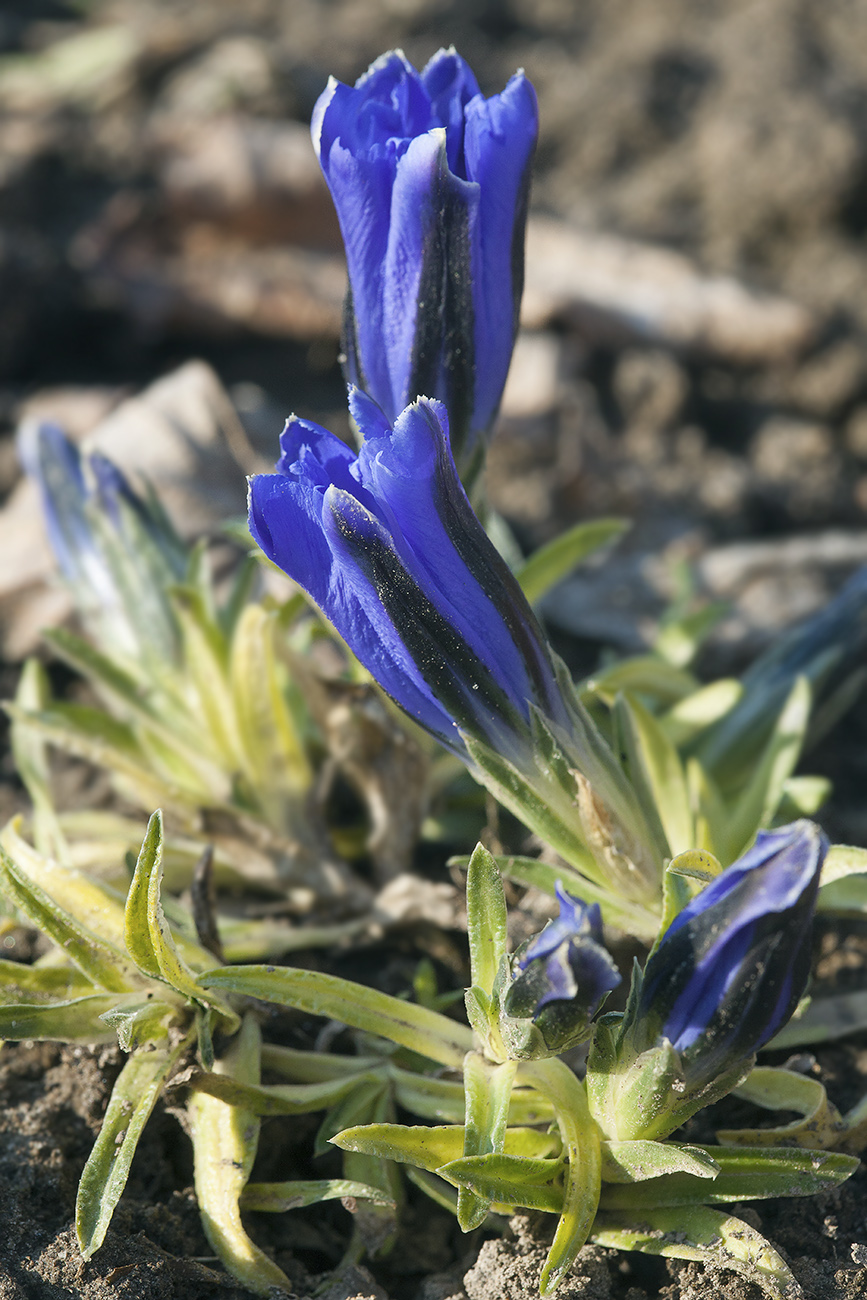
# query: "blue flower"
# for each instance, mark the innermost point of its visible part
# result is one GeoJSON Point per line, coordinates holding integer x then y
{"type": "Point", "coordinates": [564, 975]}
{"type": "Point", "coordinates": [430, 181]}
{"type": "Point", "coordinates": [118, 551]}
{"type": "Point", "coordinates": [388, 546]}
{"type": "Point", "coordinates": [732, 966]}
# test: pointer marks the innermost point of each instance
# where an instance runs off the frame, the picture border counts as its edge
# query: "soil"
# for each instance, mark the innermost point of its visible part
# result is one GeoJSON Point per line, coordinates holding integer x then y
{"type": "Point", "coordinates": [734, 132]}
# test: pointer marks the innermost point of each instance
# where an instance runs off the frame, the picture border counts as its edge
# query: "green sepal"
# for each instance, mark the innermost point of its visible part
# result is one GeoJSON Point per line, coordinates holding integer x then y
{"type": "Point", "coordinates": [701, 1234]}
{"type": "Point", "coordinates": [423, 1031]}
{"type": "Point", "coordinates": [486, 919]}
{"type": "Point", "coordinates": [132, 1099]}
{"type": "Point", "coordinates": [745, 1174]}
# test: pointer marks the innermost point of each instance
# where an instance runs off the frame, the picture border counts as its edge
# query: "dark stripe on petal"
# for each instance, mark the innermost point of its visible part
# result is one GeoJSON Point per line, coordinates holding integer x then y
{"type": "Point", "coordinates": [459, 680]}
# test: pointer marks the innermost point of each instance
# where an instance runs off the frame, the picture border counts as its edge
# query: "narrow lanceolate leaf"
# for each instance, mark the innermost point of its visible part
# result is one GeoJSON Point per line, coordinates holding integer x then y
{"type": "Point", "coordinates": [148, 936]}
{"type": "Point", "coordinates": [30, 753]}
{"type": "Point", "coordinates": [103, 964]}
{"type": "Point", "coordinates": [281, 1099]}
{"type": "Point", "coordinates": [85, 898]}
{"type": "Point", "coordinates": [582, 1175]}
{"type": "Point", "coordinates": [273, 754]}
{"type": "Point", "coordinates": [744, 1174]}
{"type": "Point", "coordinates": [277, 1197]}
{"type": "Point", "coordinates": [702, 1234]}
{"type": "Point", "coordinates": [486, 918]}
{"type": "Point", "coordinates": [225, 1139]}
{"type": "Point", "coordinates": [133, 1098]}
{"type": "Point", "coordinates": [35, 984]}
{"type": "Point", "coordinates": [77, 1020]}
{"type": "Point", "coordinates": [430, 1148]}
{"type": "Point", "coordinates": [656, 768]}
{"type": "Point", "coordinates": [443, 1099]}
{"type": "Point", "coordinates": [556, 560]}
{"type": "Point", "coordinates": [819, 1126]}
{"type": "Point", "coordinates": [636, 1160]}
{"type": "Point", "coordinates": [757, 802]}
{"type": "Point", "coordinates": [415, 1027]}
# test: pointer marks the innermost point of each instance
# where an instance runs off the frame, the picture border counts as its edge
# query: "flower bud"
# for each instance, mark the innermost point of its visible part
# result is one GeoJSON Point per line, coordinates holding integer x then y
{"type": "Point", "coordinates": [430, 181]}
{"type": "Point", "coordinates": [561, 979]}
{"type": "Point", "coordinates": [723, 980]}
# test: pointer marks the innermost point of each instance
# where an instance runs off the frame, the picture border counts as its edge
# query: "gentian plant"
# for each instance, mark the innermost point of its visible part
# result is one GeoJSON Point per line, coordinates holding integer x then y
{"type": "Point", "coordinates": [656, 792]}
{"type": "Point", "coordinates": [430, 181]}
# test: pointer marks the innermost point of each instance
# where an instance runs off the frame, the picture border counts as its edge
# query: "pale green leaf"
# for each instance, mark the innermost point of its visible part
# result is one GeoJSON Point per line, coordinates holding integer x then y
{"type": "Point", "coordinates": [423, 1031]}
{"type": "Point", "coordinates": [556, 559]}
{"type": "Point", "coordinates": [132, 1099]}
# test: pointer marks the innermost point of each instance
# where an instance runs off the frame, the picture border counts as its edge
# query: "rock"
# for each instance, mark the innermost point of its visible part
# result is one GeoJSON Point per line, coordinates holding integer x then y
{"type": "Point", "coordinates": [615, 290]}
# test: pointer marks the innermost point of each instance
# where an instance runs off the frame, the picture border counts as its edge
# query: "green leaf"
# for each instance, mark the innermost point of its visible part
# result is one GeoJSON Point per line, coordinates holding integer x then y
{"type": "Point", "coordinates": [692, 714]}
{"type": "Point", "coordinates": [701, 1234]}
{"type": "Point", "coordinates": [557, 558]}
{"type": "Point", "coordinates": [631, 917]}
{"type": "Point", "coordinates": [486, 918]}
{"type": "Point", "coordinates": [90, 902]}
{"type": "Point", "coordinates": [638, 1159]}
{"type": "Point", "coordinates": [276, 1197]}
{"type": "Point", "coordinates": [99, 961]}
{"type": "Point", "coordinates": [488, 1089]}
{"type": "Point", "coordinates": [429, 1148]}
{"type": "Point", "coordinates": [818, 1020]}
{"type": "Point", "coordinates": [443, 1099]}
{"type": "Point", "coordinates": [77, 1020]}
{"type": "Point", "coordinates": [315, 1067]}
{"type": "Point", "coordinates": [645, 675]}
{"type": "Point", "coordinates": [655, 765]}
{"type": "Point", "coordinates": [843, 860]}
{"type": "Point", "coordinates": [679, 639]}
{"type": "Point", "coordinates": [35, 984]}
{"type": "Point", "coordinates": [274, 758]}
{"type": "Point", "coordinates": [583, 1170]}
{"type": "Point", "coordinates": [819, 1126]}
{"type": "Point", "coordinates": [225, 1139]}
{"type": "Point", "coordinates": [745, 1174]}
{"type": "Point", "coordinates": [415, 1027]}
{"type": "Point", "coordinates": [148, 935]}
{"type": "Point", "coordinates": [507, 1180]}
{"type": "Point", "coordinates": [142, 1022]}
{"type": "Point", "coordinates": [132, 1099]}
{"type": "Point", "coordinates": [281, 1099]}
{"type": "Point", "coordinates": [757, 802]}
{"type": "Point", "coordinates": [31, 759]}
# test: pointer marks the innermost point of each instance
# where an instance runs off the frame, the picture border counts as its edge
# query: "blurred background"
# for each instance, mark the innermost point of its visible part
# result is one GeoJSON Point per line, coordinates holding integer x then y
{"type": "Point", "coordinates": [694, 352]}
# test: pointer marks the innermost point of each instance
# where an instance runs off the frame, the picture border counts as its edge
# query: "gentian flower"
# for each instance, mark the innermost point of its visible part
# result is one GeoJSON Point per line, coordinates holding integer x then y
{"type": "Point", "coordinates": [430, 181]}
{"type": "Point", "coordinates": [724, 978]}
{"type": "Point", "coordinates": [117, 550]}
{"type": "Point", "coordinates": [563, 976]}
{"type": "Point", "coordinates": [732, 966]}
{"type": "Point", "coordinates": [388, 546]}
